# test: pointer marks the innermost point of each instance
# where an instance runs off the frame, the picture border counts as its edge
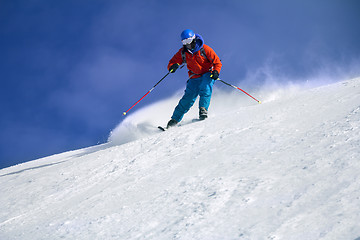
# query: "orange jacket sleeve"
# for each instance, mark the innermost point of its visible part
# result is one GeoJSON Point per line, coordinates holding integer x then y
{"type": "Point", "coordinates": [212, 56]}
{"type": "Point", "coordinates": [176, 59]}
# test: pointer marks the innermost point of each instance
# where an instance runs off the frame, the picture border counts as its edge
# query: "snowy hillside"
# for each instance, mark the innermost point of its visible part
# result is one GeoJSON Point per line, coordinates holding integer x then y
{"type": "Point", "coordinates": [285, 169]}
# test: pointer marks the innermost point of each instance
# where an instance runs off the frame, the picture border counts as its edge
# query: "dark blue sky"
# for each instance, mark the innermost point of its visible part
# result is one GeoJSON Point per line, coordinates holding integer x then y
{"type": "Point", "coordinates": [69, 68]}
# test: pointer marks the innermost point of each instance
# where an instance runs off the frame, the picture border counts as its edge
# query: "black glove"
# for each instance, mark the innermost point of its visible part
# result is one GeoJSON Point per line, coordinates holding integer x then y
{"type": "Point", "coordinates": [174, 67]}
{"type": "Point", "coordinates": [214, 75]}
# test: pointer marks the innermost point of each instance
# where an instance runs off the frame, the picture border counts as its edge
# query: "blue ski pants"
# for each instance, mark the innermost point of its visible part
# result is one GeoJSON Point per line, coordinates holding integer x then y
{"type": "Point", "coordinates": [195, 87]}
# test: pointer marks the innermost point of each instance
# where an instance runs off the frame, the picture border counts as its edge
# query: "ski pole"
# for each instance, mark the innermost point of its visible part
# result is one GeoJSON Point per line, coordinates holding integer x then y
{"type": "Point", "coordinates": [238, 89]}
{"type": "Point", "coordinates": [124, 113]}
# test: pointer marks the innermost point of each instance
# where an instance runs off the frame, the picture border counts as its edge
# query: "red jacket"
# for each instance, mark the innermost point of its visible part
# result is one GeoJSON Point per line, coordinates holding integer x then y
{"type": "Point", "coordinates": [196, 63]}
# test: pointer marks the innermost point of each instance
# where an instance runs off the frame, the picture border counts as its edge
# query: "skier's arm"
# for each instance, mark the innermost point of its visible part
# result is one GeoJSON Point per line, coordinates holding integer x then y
{"type": "Point", "coordinates": [212, 56]}
{"type": "Point", "coordinates": [176, 59]}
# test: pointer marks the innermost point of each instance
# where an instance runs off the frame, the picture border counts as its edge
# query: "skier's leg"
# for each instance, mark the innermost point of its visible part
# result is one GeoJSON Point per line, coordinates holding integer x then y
{"type": "Point", "coordinates": [205, 91]}
{"type": "Point", "coordinates": [188, 99]}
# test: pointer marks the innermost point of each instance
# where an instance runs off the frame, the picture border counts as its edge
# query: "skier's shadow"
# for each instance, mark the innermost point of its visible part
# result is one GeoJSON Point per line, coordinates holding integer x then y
{"type": "Point", "coordinates": [32, 168]}
{"type": "Point", "coordinates": [84, 152]}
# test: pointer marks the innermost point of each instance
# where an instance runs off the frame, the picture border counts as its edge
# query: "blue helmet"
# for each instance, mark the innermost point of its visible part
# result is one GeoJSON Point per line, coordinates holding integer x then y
{"type": "Point", "coordinates": [187, 36]}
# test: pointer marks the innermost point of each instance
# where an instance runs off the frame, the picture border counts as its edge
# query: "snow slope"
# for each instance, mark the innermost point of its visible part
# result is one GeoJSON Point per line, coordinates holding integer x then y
{"type": "Point", "coordinates": [285, 169]}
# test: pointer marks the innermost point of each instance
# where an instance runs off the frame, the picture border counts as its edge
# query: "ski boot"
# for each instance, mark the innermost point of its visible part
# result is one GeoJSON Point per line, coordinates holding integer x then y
{"type": "Point", "coordinates": [171, 123]}
{"type": "Point", "coordinates": [202, 113]}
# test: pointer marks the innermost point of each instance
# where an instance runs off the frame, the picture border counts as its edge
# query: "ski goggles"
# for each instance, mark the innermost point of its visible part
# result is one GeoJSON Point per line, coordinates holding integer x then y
{"type": "Point", "coordinates": [187, 41]}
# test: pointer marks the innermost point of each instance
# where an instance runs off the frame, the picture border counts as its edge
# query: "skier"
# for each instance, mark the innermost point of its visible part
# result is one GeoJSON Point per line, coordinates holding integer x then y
{"type": "Point", "coordinates": [203, 67]}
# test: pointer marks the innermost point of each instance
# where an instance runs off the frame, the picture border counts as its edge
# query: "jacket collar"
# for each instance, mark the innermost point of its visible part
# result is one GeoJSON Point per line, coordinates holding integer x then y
{"type": "Point", "coordinates": [198, 46]}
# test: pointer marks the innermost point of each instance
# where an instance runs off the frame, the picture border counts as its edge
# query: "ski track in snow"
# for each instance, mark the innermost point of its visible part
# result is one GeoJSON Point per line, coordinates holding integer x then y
{"type": "Point", "coordinates": [285, 169]}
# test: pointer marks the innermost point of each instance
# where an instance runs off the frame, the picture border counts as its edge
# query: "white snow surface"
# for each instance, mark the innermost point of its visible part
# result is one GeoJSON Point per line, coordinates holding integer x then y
{"type": "Point", "coordinates": [288, 168]}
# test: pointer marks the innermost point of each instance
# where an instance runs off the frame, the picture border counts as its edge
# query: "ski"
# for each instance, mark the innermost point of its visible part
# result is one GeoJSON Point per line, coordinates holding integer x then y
{"type": "Point", "coordinates": [162, 128]}
{"type": "Point", "coordinates": [182, 124]}
{"type": "Point", "coordinates": [197, 120]}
